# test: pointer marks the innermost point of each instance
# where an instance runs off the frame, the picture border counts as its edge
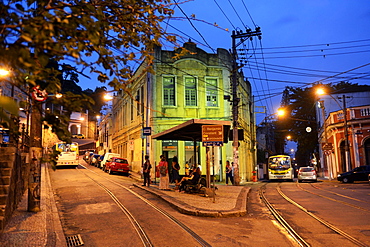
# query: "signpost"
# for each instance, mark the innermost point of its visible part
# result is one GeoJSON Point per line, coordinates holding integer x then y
{"type": "Point", "coordinates": [212, 135]}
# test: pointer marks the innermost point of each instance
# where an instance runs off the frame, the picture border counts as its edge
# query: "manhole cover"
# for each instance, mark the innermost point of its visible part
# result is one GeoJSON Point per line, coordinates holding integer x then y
{"type": "Point", "coordinates": [75, 240]}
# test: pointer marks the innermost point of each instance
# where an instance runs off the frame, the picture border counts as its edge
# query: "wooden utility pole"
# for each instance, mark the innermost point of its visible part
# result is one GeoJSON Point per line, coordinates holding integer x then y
{"type": "Point", "coordinates": [235, 101]}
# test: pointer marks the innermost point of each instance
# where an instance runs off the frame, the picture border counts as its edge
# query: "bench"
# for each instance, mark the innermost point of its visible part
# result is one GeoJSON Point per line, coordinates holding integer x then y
{"type": "Point", "coordinates": [196, 188]}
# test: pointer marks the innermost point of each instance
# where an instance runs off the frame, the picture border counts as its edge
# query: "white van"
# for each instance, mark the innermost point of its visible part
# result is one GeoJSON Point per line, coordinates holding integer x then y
{"type": "Point", "coordinates": [107, 156]}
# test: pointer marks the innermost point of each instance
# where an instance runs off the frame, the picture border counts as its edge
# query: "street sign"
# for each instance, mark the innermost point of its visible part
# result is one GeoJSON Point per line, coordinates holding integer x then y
{"type": "Point", "coordinates": [213, 144]}
{"type": "Point", "coordinates": [212, 135]}
{"type": "Point", "coordinates": [147, 131]}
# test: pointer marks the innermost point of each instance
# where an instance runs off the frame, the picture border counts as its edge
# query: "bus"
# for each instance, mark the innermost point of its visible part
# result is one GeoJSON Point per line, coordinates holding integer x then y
{"type": "Point", "coordinates": [68, 154]}
{"type": "Point", "coordinates": [280, 167]}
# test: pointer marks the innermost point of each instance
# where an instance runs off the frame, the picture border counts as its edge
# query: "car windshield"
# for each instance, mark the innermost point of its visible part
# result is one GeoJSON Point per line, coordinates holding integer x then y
{"type": "Point", "coordinates": [123, 161]}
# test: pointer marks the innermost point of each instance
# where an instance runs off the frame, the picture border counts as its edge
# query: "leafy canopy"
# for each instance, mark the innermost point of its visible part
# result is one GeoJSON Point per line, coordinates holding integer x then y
{"type": "Point", "coordinates": [96, 35]}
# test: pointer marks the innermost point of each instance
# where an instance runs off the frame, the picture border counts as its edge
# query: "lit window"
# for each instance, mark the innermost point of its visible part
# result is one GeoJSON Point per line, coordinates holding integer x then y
{"type": "Point", "coordinates": [169, 91]}
{"type": "Point", "coordinates": [190, 91]}
{"type": "Point", "coordinates": [211, 92]}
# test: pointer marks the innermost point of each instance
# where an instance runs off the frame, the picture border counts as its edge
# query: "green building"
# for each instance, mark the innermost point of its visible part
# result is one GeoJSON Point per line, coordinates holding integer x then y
{"type": "Point", "coordinates": [196, 85]}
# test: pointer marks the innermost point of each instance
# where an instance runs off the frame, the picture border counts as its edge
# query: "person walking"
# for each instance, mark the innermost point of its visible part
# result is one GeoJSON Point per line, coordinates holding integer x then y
{"type": "Point", "coordinates": [229, 173]}
{"type": "Point", "coordinates": [146, 171]}
{"type": "Point", "coordinates": [175, 171]}
{"type": "Point", "coordinates": [163, 174]}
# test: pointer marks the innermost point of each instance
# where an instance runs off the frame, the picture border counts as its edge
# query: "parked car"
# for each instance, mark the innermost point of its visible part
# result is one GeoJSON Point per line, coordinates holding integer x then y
{"type": "Point", "coordinates": [307, 173]}
{"type": "Point", "coordinates": [106, 157]}
{"type": "Point", "coordinates": [116, 164]}
{"type": "Point", "coordinates": [95, 160]}
{"type": "Point", "coordinates": [78, 136]}
{"type": "Point", "coordinates": [360, 173]}
{"type": "Point", "coordinates": [87, 156]}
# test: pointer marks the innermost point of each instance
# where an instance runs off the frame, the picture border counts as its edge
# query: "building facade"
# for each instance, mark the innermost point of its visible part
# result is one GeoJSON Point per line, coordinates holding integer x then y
{"type": "Point", "coordinates": [337, 128]}
{"type": "Point", "coordinates": [192, 86]}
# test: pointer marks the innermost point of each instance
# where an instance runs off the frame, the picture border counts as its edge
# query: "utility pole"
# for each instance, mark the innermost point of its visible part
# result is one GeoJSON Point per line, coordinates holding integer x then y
{"type": "Point", "coordinates": [235, 101]}
{"type": "Point", "coordinates": [346, 143]}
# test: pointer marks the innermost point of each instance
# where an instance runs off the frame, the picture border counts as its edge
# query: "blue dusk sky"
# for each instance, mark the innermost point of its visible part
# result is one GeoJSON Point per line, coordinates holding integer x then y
{"type": "Point", "coordinates": [303, 41]}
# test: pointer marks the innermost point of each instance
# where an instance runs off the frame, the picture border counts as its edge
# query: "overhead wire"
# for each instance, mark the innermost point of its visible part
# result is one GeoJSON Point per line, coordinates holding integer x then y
{"type": "Point", "coordinates": [227, 18]}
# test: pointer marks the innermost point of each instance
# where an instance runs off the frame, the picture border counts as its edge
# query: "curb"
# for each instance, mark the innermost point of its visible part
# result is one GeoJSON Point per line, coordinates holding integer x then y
{"type": "Point", "coordinates": [240, 208]}
{"type": "Point", "coordinates": [54, 230]}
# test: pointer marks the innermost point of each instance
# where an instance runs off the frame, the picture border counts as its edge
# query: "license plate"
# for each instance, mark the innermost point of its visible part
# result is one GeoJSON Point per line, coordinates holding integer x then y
{"type": "Point", "coordinates": [120, 170]}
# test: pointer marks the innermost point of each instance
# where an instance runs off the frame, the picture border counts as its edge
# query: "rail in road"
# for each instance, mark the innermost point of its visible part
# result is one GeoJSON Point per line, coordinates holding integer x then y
{"type": "Point", "coordinates": [139, 229]}
{"type": "Point", "coordinates": [300, 223]}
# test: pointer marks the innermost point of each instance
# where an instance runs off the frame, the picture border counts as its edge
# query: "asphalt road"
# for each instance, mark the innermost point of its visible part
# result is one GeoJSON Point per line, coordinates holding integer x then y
{"type": "Point", "coordinates": [87, 209]}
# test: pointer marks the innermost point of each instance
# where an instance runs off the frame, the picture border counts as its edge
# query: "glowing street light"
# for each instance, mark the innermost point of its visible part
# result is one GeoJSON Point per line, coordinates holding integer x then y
{"type": "Point", "coordinates": [4, 72]}
{"type": "Point", "coordinates": [281, 112]}
{"type": "Point", "coordinates": [107, 97]}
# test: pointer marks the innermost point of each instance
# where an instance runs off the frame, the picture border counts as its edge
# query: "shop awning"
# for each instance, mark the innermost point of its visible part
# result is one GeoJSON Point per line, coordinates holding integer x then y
{"type": "Point", "coordinates": [191, 130]}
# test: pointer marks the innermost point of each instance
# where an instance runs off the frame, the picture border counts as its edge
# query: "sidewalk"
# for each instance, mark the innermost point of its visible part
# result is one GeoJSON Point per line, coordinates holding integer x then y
{"type": "Point", "coordinates": [35, 229]}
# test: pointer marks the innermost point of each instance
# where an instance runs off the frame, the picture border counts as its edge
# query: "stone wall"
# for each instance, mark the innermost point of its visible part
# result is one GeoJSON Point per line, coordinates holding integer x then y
{"type": "Point", "coordinates": [14, 173]}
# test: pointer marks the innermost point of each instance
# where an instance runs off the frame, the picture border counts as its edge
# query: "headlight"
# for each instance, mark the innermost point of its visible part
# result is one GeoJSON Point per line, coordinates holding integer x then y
{"type": "Point", "coordinates": [339, 175]}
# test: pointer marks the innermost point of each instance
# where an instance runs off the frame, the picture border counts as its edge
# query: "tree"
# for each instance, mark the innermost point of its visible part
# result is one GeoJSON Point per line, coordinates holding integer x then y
{"type": "Point", "coordinates": [299, 114]}
{"type": "Point", "coordinates": [99, 36]}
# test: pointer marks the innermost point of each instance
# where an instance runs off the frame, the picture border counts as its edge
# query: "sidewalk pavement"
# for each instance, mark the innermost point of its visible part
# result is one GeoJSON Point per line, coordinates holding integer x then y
{"type": "Point", "coordinates": [35, 229]}
{"type": "Point", "coordinates": [44, 228]}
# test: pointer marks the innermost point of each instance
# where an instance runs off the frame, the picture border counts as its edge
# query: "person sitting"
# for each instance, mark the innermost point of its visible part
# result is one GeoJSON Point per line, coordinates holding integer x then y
{"type": "Point", "coordinates": [192, 179]}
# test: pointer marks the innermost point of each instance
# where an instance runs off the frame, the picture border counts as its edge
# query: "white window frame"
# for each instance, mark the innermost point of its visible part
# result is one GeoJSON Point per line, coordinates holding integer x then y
{"type": "Point", "coordinates": [173, 94]}
{"type": "Point", "coordinates": [191, 94]}
{"type": "Point", "coordinates": [211, 93]}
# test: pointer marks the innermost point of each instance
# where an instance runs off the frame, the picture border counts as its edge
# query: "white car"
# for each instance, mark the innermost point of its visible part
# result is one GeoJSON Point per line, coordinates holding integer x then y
{"type": "Point", "coordinates": [106, 157]}
{"type": "Point", "coordinates": [307, 173]}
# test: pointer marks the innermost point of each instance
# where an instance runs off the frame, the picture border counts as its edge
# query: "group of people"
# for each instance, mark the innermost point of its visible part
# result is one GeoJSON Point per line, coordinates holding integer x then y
{"type": "Point", "coordinates": [191, 177]}
{"type": "Point", "coordinates": [162, 172]}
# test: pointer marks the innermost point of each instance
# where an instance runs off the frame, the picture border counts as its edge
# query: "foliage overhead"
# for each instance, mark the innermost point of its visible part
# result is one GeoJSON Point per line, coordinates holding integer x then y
{"type": "Point", "coordinates": [98, 36]}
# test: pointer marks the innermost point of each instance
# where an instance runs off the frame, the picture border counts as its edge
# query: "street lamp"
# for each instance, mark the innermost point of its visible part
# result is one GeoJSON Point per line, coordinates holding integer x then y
{"type": "Point", "coordinates": [321, 91]}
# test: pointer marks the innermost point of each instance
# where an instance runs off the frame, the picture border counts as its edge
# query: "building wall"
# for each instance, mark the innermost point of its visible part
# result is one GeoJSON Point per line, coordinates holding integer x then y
{"type": "Point", "coordinates": [146, 105]}
{"type": "Point", "coordinates": [358, 128]}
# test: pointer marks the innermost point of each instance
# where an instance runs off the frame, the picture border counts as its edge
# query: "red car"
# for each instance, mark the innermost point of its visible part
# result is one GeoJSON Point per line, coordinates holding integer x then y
{"type": "Point", "coordinates": [116, 164]}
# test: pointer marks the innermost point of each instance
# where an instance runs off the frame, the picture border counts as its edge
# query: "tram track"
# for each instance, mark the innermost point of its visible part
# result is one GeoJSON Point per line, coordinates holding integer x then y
{"type": "Point", "coordinates": [335, 200]}
{"type": "Point", "coordinates": [136, 225]}
{"type": "Point", "coordinates": [301, 241]}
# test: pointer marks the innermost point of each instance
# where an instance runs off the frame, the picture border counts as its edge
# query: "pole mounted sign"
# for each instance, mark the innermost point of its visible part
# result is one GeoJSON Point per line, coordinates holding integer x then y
{"type": "Point", "coordinates": [38, 94]}
{"type": "Point", "coordinates": [212, 135]}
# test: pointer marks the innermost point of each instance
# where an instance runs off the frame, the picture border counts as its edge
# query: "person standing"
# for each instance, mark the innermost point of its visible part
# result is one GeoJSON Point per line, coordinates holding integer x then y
{"type": "Point", "coordinates": [229, 173]}
{"type": "Point", "coordinates": [146, 171]}
{"type": "Point", "coordinates": [163, 174]}
{"type": "Point", "coordinates": [175, 171]}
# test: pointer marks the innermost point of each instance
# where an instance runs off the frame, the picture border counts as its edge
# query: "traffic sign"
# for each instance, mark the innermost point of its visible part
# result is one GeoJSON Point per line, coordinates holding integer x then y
{"type": "Point", "coordinates": [39, 95]}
